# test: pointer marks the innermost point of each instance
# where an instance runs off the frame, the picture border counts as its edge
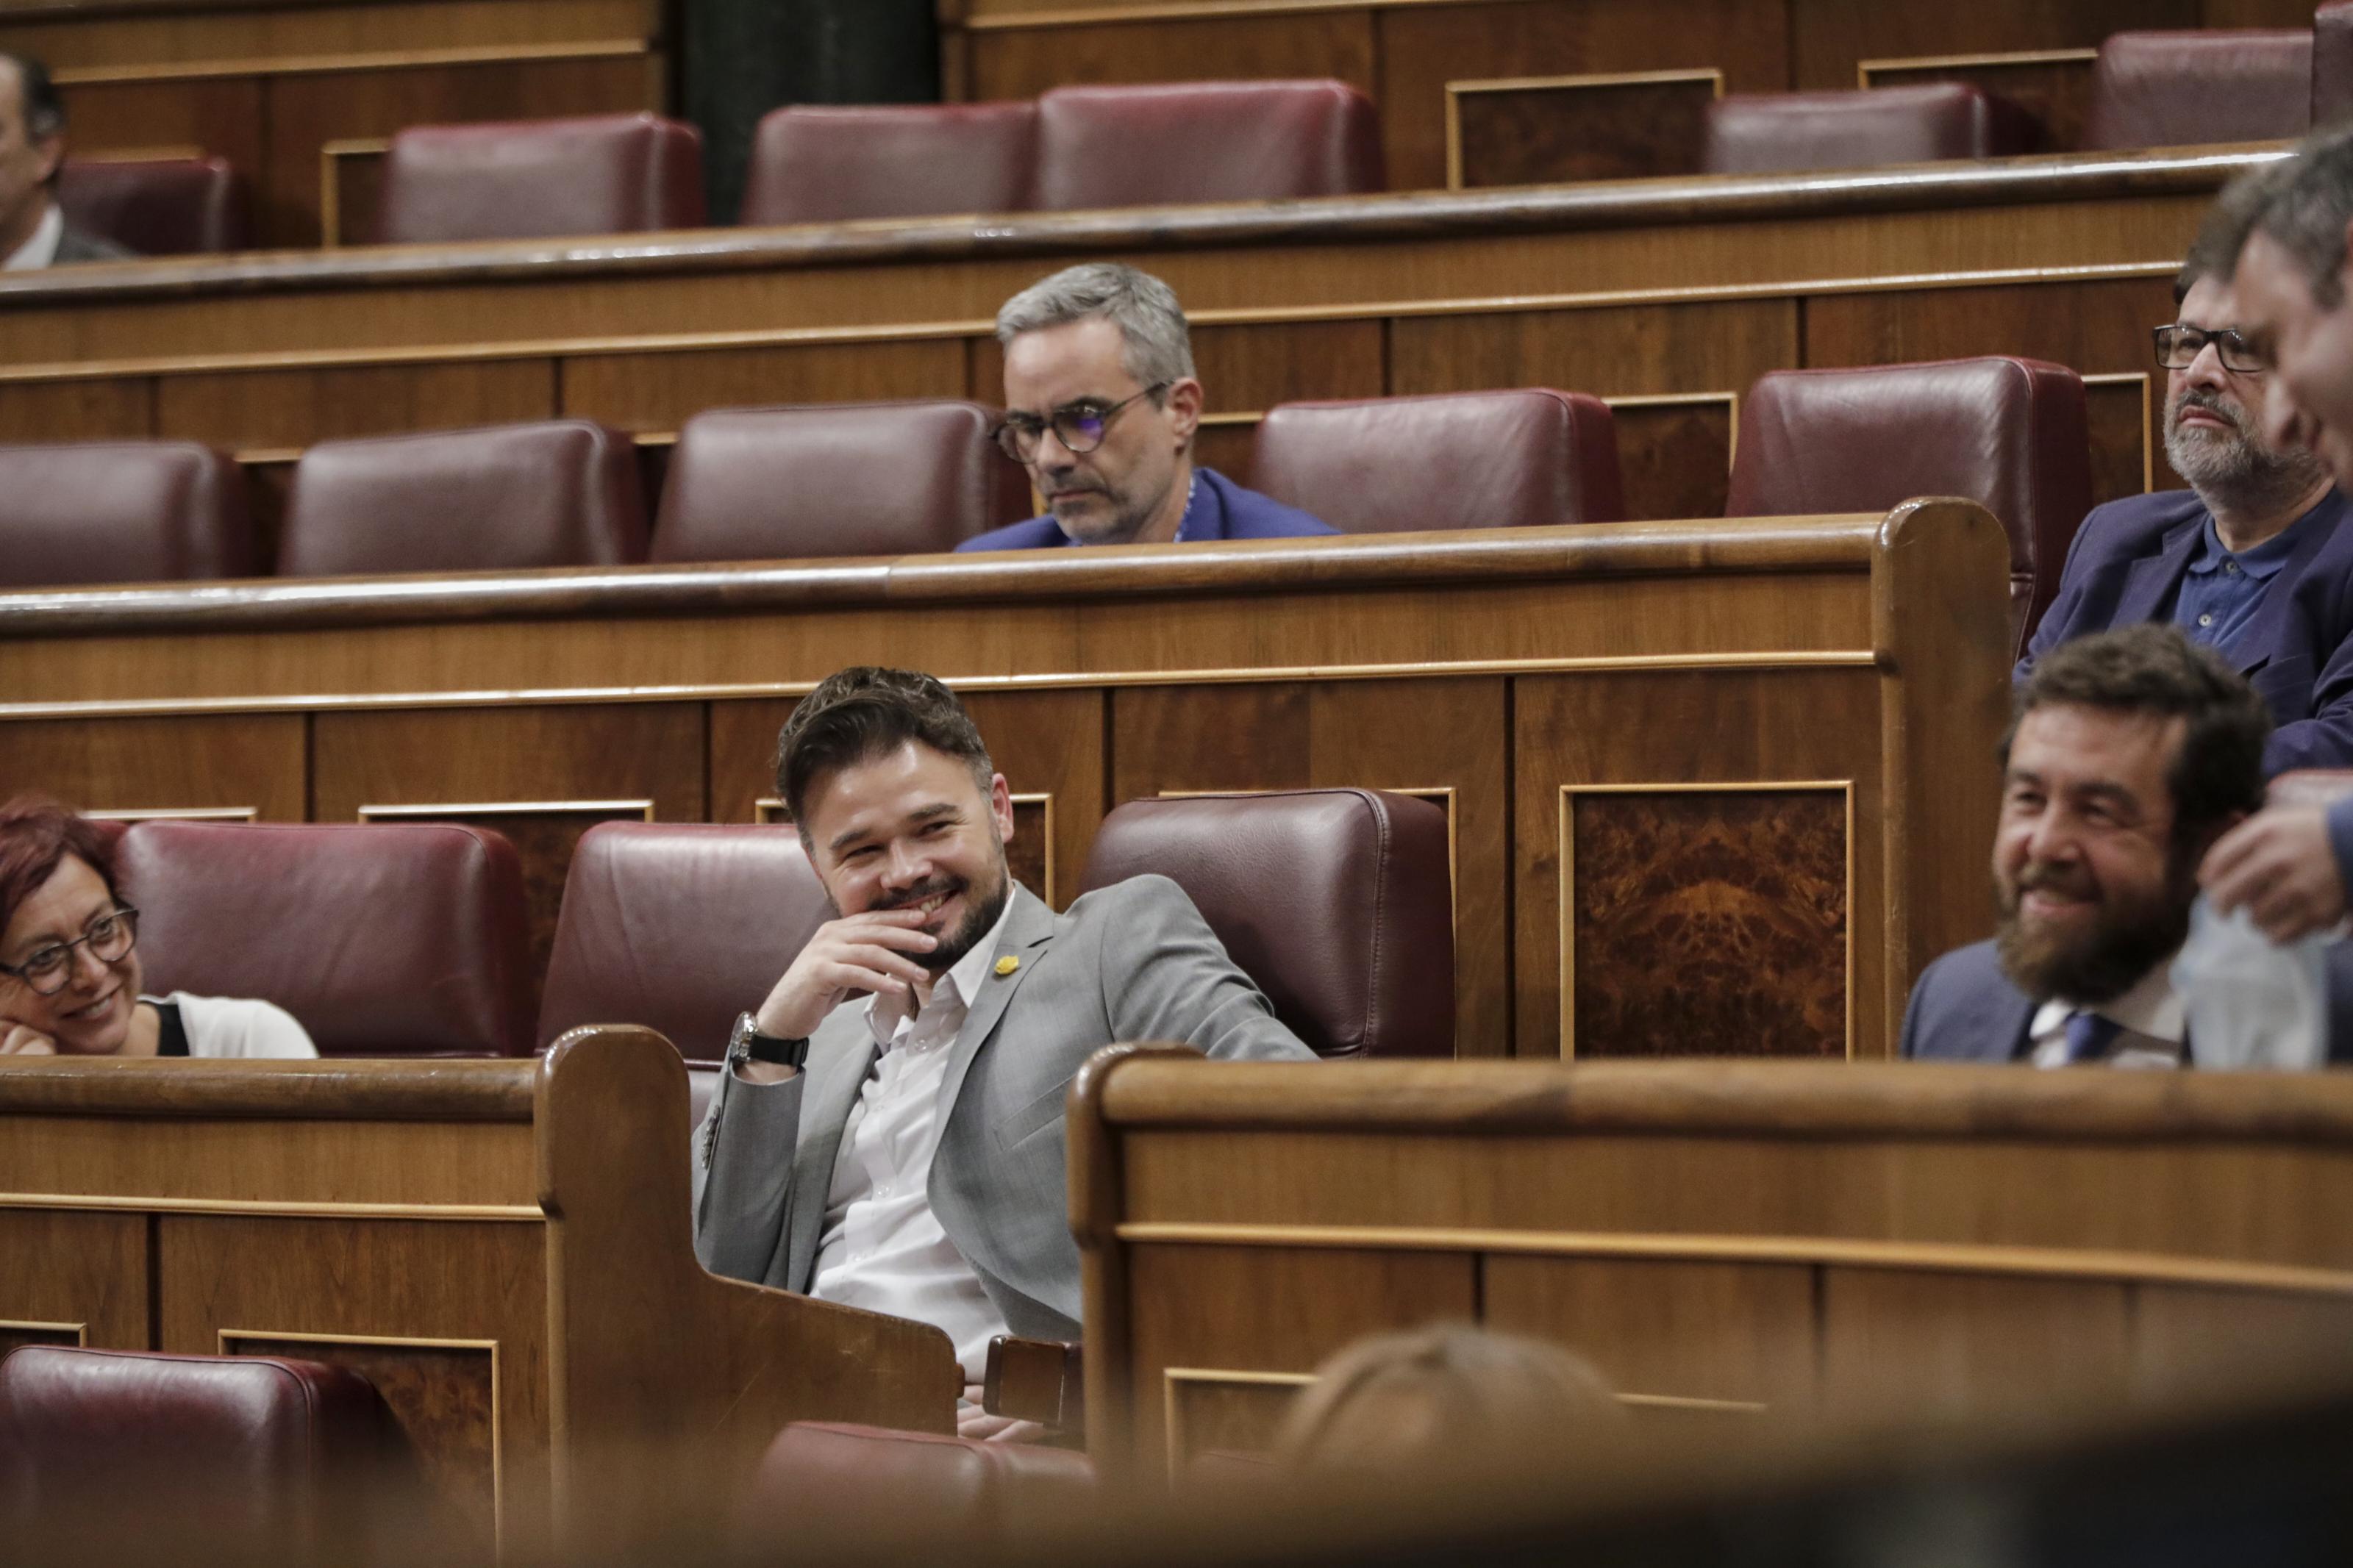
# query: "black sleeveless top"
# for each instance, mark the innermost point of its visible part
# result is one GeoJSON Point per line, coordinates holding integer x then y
{"type": "Point", "coordinates": [171, 1034]}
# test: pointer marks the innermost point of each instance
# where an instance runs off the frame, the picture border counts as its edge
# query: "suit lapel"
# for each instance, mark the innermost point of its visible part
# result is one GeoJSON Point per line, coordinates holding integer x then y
{"type": "Point", "coordinates": [2149, 579]}
{"type": "Point", "coordinates": [1028, 930]}
{"type": "Point", "coordinates": [2277, 607]}
{"type": "Point", "coordinates": [842, 1054]}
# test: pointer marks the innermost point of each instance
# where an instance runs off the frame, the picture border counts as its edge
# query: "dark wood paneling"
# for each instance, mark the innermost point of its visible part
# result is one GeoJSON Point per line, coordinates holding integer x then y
{"type": "Point", "coordinates": [283, 408]}
{"type": "Point", "coordinates": [662, 391]}
{"type": "Point", "coordinates": [113, 408]}
{"type": "Point", "coordinates": [359, 197]}
{"type": "Point", "coordinates": [1375, 734]}
{"type": "Point", "coordinates": [2088, 327]}
{"type": "Point", "coordinates": [86, 1269]}
{"type": "Point", "coordinates": [1226, 448]}
{"type": "Point", "coordinates": [1930, 1345]}
{"type": "Point", "coordinates": [1250, 369]}
{"type": "Point", "coordinates": [1829, 36]}
{"type": "Point", "coordinates": [1025, 63]}
{"type": "Point", "coordinates": [1424, 47]}
{"type": "Point", "coordinates": [1675, 458]}
{"type": "Point", "coordinates": [2056, 92]}
{"type": "Point", "coordinates": [1600, 130]}
{"type": "Point", "coordinates": [219, 116]}
{"type": "Point", "coordinates": [1716, 346]}
{"type": "Point", "coordinates": [2175, 1328]}
{"type": "Point", "coordinates": [1708, 922]}
{"type": "Point", "coordinates": [2127, 451]}
{"type": "Point", "coordinates": [1696, 727]}
{"type": "Point", "coordinates": [166, 764]}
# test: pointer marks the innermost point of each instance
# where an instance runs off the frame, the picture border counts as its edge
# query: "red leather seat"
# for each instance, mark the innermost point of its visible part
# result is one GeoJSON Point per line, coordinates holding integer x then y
{"type": "Point", "coordinates": [2010, 434]}
{"type": "Point", "coordinates": [2332, 63]}
{"type": "Point", "coordinates": [1788, 133]}
{"type": "Point", "coordinates": [218, 1450]}
{"type": "Point", "coordinates": [1203, 142]}
{"type": "Point", "coordinates": [679, 927]}
{"type": "Point", "coordinates": [158, 206]}
{"type": "Point", "coordinates": [1338, 902]}
{"type": "Point", "coordinates": [2191, 89]}
{"type": "Point", "coordinates": [122, 511]}
{"type": "Point", "coordinates": [829, 163]}
{"type": "Point", "coordinates": [1459, 459]}
{"type": "Point", "coordinates": [834, 479]}
{"type": "Point", "coordinates": [522, 179]}
{"type": "Point", "coordinates": [383, 939]}
{"type": "Point", "coordinates": [840, 1483]}
{"type": "Point", "coordinates": [562, 492]}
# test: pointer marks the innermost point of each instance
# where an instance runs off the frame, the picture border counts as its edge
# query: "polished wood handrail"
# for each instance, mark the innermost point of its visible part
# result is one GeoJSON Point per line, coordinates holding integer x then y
{"type": "Point", "coordinates": [458, 1089]}
{"type": "Point", "coordinates": [1432, 215]}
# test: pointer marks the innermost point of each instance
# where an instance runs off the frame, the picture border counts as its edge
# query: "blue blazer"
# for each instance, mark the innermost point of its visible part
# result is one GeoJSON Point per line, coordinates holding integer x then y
{"type": "Point", "coordinates": [2128, 560]}
{"type": "Point", "coordinates": [1965, 1009]}
{"type": "Point", "coordinates": [1220, 510]}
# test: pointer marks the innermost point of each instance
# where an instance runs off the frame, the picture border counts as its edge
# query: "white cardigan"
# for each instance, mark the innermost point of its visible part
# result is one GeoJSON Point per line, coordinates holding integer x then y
{"type": "Point", "coordinates": [237, 1026]}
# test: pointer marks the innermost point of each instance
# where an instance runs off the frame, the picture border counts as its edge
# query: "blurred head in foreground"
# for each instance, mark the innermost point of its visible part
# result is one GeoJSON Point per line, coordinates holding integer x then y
{"type": "Point", "coordinates": [1450, 1398]}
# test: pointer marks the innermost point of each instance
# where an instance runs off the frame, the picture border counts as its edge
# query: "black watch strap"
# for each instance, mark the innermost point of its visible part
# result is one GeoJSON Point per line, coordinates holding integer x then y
{"type": "Point", "coordinates": [756, 1047]}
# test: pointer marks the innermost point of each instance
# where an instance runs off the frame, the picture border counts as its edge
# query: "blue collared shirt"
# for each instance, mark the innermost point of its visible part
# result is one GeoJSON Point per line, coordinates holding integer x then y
{"type": "Point", "coordinates": [2220, 591]}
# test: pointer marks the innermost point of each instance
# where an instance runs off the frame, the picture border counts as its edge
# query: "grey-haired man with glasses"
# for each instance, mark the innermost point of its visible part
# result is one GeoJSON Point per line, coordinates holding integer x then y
{"type": "Point", "coordinates": [2252, 560]}
{"type": "Point", "coordinates": [1101, 407]}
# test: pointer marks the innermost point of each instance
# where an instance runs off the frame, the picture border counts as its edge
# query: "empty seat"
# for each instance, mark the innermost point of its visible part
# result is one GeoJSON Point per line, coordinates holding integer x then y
{"type": "Point", "coordinates": [383, 939]}
{"type": "Point", "coordinates": [521, 179]}
{"type": "Point", "coordinates": [2183, 90]}
{"type": "Point", "coordinates": [1771, 133]}
{"type": "Point", "coordinates": [158, 206]}
{"type": "Point", "coordinates": [1203, 142]}
{"type": "Point", "coordinates": [836, 478]}
{"type": "Point", "coordinates": [2009, 434]}
{"type": "Point", "coordinates": [1338, 902]}
{"type": "Point", "coordinates": [122, 511]}
{"type": "Point", "coordinates": [230, 1450]}
{"type": "Point", "coordinates": [564, 492]}
{"type": "Point", "coordinates": [2332, 63]}
{"type": "Point", "coordinates": [1460, 459]}
{"type": "Point", "coordinates": [830, 163]}
{"type": "Point", "coordinates": [838, 1484]}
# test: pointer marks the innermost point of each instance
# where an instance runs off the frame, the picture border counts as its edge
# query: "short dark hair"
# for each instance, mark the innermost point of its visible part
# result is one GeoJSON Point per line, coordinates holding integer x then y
{"type": "Point", "coordinates": [2302, 205]}
{"type": "Point", "coordinates": [864, 712]}
{"type": "Point", "coordinates": [37, 834]}
{"type": "Point", "coordinates": [2152, 668]}
{"type": "Point", "coordinates": [2222, 233]}
{"type": "Point", "coordinates": [44, 111]}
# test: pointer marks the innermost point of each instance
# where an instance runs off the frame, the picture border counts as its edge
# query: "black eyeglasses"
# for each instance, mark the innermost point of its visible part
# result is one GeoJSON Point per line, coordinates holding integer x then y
{"type": "Point", "coordinates": [2176, 347]}
{"type": "Point", "coordinates": [46, 970]}
{"type": "Point", "coordinates": [1079, 426]}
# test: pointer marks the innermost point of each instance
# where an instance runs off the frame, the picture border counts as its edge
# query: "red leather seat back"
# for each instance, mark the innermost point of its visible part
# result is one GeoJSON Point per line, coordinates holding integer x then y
{"type": "Point", "coordinates": [678, 927]}
{"type": "Point", "coordinates": [241, 1447]}
{"type": "Point", "coordinates": [1338, 902]}
{"type": "Point", "coordinates": [562, 492]}
{"type": "Point", "coordinates": [2192, 89]}
{"type": "Point", "coordinates": [122, 511]}
{"type": "Point", "coordinates": [1459, 459]}
{"type": "Point", "coordinates": [2009, 434]}
{"type": "Point", "coordinates": [382, 938]}
{"type": "Point", "coordinates": [829, 163]}
{"type": "Point", "coordinates": [2332, 63]}
{"type": "Point", "coordinates": [158, 206]}
{"type": "Point", "coordinates": [832, 1481]}
{"type": "Point", "coordinates": [835, 478]}
{"type": "Point", "coordinates": [1203, 142]}
{"type": "Point", "coordinates": [523, 179]}
{"type": "Point", "coordinates": [1772, 134]}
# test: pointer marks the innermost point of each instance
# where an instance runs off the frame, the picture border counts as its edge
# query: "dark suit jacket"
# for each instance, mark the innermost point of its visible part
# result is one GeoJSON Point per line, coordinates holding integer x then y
{"type": "Point", "coordinates": [2129, 558]}
{"type": "Point", "coordinates": [1221, 510]}
{"type": "Point", "coordinates": [79, 245]}
{"type": "Point", "coordinates": [1965, 1009]}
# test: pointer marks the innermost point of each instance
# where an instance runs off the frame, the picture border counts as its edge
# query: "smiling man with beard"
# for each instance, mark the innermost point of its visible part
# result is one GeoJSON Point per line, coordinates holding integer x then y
{"type": "Point", "coordinates": [2129, 753]}
{"type": "Point", "coordinates": [887, 1130]}
{"type": "Point", "coordinates": [2252, 560]}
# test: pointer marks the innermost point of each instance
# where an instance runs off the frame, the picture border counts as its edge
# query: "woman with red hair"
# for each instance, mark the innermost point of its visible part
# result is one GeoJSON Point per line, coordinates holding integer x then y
{"type": "Point", "coordinates": [69, 972]}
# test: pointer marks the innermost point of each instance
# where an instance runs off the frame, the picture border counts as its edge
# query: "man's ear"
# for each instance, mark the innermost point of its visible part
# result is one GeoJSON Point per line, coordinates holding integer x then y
{"type": "Point", "coordinates": [1000, 807]}
{"type": "Point", "coordinates": [1185, 400]}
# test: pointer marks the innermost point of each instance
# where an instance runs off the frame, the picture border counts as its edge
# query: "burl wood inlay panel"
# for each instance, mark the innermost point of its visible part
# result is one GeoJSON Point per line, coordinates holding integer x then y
{"type": "Point", "coordinates": [1706, 922]}
{"type": "Point", "coordinates": [1569, 129]}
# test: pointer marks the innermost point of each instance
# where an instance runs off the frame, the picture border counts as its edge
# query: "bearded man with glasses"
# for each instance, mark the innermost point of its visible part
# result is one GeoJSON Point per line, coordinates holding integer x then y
{"type": "Point", "coordinates": [2252, 560]}
{"type": "Point", "coordinates": [1102, 408]}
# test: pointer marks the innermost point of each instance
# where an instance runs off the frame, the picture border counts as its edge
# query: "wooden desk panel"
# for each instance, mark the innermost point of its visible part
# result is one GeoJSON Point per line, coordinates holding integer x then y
{"type": "Point", "coordinates": [1726, 694]}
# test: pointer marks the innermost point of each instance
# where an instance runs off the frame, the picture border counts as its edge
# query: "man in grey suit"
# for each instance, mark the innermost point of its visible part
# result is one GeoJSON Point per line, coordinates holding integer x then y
{"type": "Point", "coordinates": [888, 1130]}
{"type": "Point", "coordinates": [33, 228]}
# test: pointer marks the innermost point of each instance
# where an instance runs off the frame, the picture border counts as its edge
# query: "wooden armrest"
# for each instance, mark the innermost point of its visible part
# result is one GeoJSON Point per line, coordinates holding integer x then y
{"type": "Point", "coordinates": [1035, 1380]}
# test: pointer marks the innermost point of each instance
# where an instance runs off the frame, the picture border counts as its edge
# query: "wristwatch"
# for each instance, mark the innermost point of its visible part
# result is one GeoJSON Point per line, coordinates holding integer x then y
{"type": "Point", "coordinates": [748, 1045]}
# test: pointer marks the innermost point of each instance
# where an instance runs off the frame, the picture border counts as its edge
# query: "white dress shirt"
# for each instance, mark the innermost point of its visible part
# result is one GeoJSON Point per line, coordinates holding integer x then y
{"type": "Point", "coordinates": [41, 250]}
{"type": "Point", "coordinates": [2151, 1019]}
{"type": "Point", "coordinates": [882, 1247]}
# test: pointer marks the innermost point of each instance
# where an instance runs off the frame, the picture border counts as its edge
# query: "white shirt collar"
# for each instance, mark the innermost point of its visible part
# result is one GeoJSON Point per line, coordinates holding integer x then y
{"type": "Point", "coordinates": [41, 250]}
{"type": "Point", "coordinates": [2152, 1007]}
{"type": "Point", "coordinates": [958, 986]}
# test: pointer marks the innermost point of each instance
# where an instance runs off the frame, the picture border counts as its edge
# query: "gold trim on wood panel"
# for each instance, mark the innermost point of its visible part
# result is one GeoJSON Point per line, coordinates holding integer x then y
{"type": "Point", "coordinates": [1171, 1377]}
{"type": "Point", "coordinates": [433, 813]}
{"type": "Point", "coordinates": [1865, 70]}
{"type": "Point", "coordinates": [1933, 1258]}
{"type": "Point", "coordinates": [348, 62]}
{"type": "Point", "coordinates": [409, 1342]}
{"type": "Point", "coordinates": [81, 1331]}
{"type": "Point", "coordinates": [1565, 845]}
{"type": "Point", "coordinates": [176, 813]}
{"type": "Point", "coordinates": [1692, 1403]}
{"type": "Point", "coordinates": [337, 702]}
{"type": "Point", "coordinates": [1456, 92]}
{"type": "Point", "coordinates": [271, 1208]}
{"type": "Point", "coordinates": [2147, 445]}
{"type": "Point", "coordinates": [136, 155]}
{"type": "Point", "coordinates": [331, 199]}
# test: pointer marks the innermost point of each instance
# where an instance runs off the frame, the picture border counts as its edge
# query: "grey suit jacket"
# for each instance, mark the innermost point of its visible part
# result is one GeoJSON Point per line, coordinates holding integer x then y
{"type": "Point", "coordinates": [1131, 961]}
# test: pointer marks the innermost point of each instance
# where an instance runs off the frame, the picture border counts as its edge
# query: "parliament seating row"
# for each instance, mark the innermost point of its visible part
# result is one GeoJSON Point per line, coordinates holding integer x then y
{"type": "Point", "coordinates": [411, 939]}
{"type": "Point", "coordinates": [912, 478]}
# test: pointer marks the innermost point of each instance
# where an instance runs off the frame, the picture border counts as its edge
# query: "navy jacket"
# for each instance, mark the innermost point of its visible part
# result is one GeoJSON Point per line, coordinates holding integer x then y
{"type": "Point", "coordinates": [2126, 565]}
{"type": "Point", "coordinates": [1220, 510]}
{"type": "Point", "coordinates": [1965, 1009]}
